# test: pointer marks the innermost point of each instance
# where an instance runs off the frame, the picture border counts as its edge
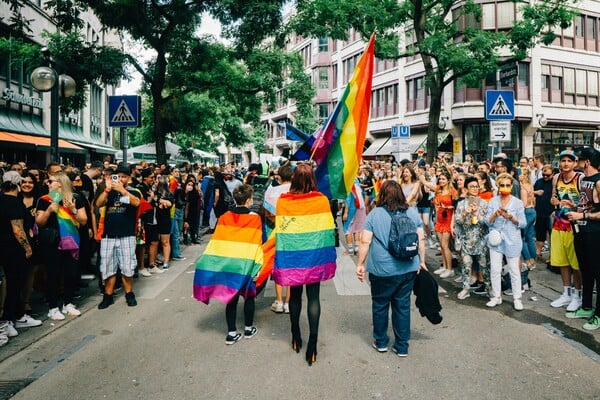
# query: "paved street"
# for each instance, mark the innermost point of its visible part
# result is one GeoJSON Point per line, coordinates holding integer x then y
{"type": "Point", "coordinates": [172, 347]}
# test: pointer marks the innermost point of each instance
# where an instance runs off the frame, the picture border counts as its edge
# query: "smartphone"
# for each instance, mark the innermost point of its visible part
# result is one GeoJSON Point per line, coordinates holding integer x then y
{"type": "Point", "coordinates": [115, 178]}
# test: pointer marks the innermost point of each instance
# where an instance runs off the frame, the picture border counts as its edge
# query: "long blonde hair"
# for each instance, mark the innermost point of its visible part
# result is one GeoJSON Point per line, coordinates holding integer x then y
{"type": "Point", "coordinates": [66, 187]}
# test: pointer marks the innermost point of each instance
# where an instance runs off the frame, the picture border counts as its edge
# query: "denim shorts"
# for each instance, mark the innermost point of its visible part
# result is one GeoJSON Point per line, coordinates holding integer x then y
{"type": "Point", "coordinates": [424, 210]}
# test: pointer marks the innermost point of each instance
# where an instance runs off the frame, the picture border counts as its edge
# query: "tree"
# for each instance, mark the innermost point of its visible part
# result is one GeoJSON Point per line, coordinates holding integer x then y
{"type": "Point", "coordinates": [449, 49]}
{"type": "Point", "coordinates": [191, 70]}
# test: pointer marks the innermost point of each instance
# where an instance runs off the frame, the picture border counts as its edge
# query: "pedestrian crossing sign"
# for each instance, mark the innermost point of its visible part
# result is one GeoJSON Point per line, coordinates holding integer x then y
{"type": "Point", "coordinates": [124, 111]}
{"type": "Point", "coordinates": [499, 105]}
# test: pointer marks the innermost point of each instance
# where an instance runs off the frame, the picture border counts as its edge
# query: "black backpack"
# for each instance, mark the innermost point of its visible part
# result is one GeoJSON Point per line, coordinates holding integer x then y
{"type": "Point", "coordinates": [403, 242]}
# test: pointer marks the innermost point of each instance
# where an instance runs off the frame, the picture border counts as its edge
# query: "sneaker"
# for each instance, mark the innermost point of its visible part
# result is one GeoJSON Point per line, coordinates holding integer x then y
{"type": "Point", "coordinates": [3, 338]}
{"type": "Point", "coordinates": [286, 308]}
{"type": "Point", "coordinates": [518, 304]}
{"type": "Point", "coordinates": [145, 272]}
{"type": "Point", "coordinates": [9, 329]}
{"type": "Point", "coordinates": [379, 349]}
{"type": "Point", "coordinates": [232, 339]}
{"type": "Point", "coordinates": [55, 314]}
{"type": "Point", "coordinates": [27, 322]}
{"type": "Point", "coordinates": [580, 313]}
{"type": "Point", "coordinates": [71, 311]}
{"type": "Point", "coordinates": [277, 306]}
{"type": "Point", "coordinates": [398, 353]}
{"type": "Point", "coordinates": [458, 279]}
{"type": "Point", "coordinates": [431, 244]}
{"type": "Point", "coordinates": [592, 324]}
{"type": "Point", "coordinates": [178, 258]}
{"type": "Point", "coordinates": [439, 271]}
{"type": "Point", "coordinates": [249, 332]}
{"type": "Point", "coordinates": [575, 303]}
{"type": "Point", "coordinates": [494, 301]}
{"type": "Point", "coordinates": [481, 290]}
{"type": "Point", "coordinates": [165, 267]}
{"type": "Point", "coordinates": [107, 300]}
{"type": "Point", "coordinates": [508, 292]}
{"type": "Point", "coordinates": [449, 273]}
{"type": "Point", "coordinates": [156, 270]}
{"type": "Point", "coordinates": [463, 294]}
{"type": "Point", "coordinates": [476, 285]}
{"type": "Point", "coordinates": [563, 300]}
{"type": "Point", "coordinates": [130, 299]}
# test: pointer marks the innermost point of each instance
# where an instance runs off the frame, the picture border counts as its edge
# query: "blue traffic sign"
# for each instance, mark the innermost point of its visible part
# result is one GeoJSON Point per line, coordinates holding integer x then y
{"type": "Point", "coordinates": [499, 105]}
{"type": "Point", "coordinates": [401, 132]}
{"type": "Point", "coordinates": [124, 111]}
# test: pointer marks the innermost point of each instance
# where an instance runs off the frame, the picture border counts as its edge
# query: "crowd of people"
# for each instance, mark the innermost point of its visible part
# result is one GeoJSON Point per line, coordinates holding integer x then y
{"type": "Point", "coordinates": [493, 220]}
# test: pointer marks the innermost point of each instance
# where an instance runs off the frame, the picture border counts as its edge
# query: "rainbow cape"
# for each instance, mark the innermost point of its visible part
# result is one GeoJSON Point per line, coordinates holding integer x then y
{"type": "Point", "coordinates": [338, 148]}
{"type": "Point", "coordinates": [68, 229]}
{"type": "Point", "coordinates": [304, 240]}
{"type": "Point", "coordinates": [232, 258]}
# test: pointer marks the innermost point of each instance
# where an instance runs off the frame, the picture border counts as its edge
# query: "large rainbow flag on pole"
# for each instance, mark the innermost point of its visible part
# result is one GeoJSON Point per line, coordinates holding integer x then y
{"type": "Point", "coordinates": [233, 257]}
{"type": "Point", "coordinates": [338, 147]}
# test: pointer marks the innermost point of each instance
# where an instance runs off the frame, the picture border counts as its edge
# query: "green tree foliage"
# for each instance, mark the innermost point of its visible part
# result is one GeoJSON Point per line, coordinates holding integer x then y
{"type": "Point", "coordinates": [199, 86]}
{"type": "Point", "coordinates": [449, 49]}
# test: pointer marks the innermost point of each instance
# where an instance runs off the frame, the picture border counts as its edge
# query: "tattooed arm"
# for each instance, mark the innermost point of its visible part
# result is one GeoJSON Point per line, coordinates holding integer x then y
{"type": "Point", "coordinates": [21, 236]}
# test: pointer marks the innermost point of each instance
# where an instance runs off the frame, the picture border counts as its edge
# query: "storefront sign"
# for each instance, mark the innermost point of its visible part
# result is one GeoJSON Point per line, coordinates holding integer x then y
{"type": "Point", "coordinates": [11, 95]}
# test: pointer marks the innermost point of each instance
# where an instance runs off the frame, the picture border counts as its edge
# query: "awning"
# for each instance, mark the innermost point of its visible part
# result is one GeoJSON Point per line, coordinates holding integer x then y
{"type": "Point", "coordinates": [98, 148]}
{"type": "Point", "coordinates": [416, 142]}
{"type": "Point", "coordinates": [39, 142]}
{"type": "Point", "coordinates": [375, 146]}
{"type": "Point", "coordinates": [423, 141]}
{"type": "Point", "coordinates": [222, 149]}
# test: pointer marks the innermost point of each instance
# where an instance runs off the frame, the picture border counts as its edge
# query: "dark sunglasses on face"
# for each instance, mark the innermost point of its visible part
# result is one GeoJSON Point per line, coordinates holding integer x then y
{"type": "Point", "coordinates": [505, 185]}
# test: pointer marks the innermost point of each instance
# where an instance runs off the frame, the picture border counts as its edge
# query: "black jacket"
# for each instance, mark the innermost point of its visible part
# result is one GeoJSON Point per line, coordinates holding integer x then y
{"type": "Point", "coordinates": [428, 302]}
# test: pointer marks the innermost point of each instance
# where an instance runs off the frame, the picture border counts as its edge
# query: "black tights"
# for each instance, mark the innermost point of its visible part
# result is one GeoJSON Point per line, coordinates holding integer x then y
{"type": "Point", "coordinates": [313, 308]}
{"type": "Point", "coordinates": [231, 312]}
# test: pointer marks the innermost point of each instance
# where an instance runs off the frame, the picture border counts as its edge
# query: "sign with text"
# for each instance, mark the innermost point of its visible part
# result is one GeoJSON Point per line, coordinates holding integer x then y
{"type": "Point", "coordinates": [500, 131]}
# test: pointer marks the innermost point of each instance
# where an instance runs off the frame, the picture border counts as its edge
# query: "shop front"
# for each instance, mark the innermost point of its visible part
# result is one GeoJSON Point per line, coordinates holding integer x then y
{"type": "Point", "coordinates": [551, 141]}
{"type": "Point", "coordinates": [477, 142]}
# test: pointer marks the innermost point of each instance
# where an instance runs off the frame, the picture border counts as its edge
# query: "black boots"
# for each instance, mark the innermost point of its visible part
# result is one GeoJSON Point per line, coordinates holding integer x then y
{"type": "Point", "coordinates": [107, 300]}
{"type": "Point", "coordinates": [311, 349]}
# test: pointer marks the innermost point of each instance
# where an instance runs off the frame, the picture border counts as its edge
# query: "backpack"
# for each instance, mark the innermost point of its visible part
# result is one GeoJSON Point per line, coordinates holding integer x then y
{"type": "Point", "coordinates": [228, 199]}
{"type": "Point", "coordinates": [403, 242]}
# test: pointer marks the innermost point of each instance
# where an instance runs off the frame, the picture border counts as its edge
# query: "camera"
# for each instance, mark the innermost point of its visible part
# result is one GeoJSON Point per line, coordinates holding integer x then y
{"type": "Point", "coordinates": [115, 178]}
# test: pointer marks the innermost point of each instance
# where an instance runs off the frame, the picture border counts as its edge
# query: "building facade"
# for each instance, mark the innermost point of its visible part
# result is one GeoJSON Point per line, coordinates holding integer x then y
{"type": "Point", "coordinates": [25, 111]}
{"type": "Point", "coordinates": [556, 92]}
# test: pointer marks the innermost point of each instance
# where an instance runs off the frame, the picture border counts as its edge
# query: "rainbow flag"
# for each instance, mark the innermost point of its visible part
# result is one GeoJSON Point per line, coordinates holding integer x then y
{"type": "Point", "coordinates": [304, 240]}
{"type": "Point", "coordinates": [232, 258]}
{"type": "Point", "coordinates": [376, 189]}
{"type": "Point", "coordinates": [68, 229]}
{"type": "Point", "coordinates": [339, 147]}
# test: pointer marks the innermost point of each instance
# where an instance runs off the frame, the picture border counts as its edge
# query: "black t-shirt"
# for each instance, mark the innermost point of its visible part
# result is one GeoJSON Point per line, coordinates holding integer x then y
{"type": "Point", "coordinates": [52, 222]}
{"type": "Point", "coordinates": [11, 209]}
{"type": "Point", "coordinates": [120, 218]}
{"type": "Point", "coordinates": [87, 188]}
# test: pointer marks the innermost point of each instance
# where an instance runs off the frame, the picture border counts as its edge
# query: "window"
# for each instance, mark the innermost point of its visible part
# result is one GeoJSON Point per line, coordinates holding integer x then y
{"type": "Point", "coordinates": [488, 17]}
{"type": "Point", "coordinates": [323, 111]}
{"type": "Point", "coordinates": [323, 44]}
{"type": "Point", "coordinates": [506, 15]}
{"type": "Point", "coordinates": [334, 76]}
{"type": "Point", "coordinates": [579, 25]}
{"type": "Point", "coordinates": [323, 78]}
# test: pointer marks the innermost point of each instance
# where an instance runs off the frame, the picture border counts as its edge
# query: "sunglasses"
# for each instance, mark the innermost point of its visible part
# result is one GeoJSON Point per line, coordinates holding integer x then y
{"type": "Point", "coordinates": [546, 175]}
{"type": "Point", "coordinates": [506, 185]}
{"type": "Point", "coordinates": [473, 187]}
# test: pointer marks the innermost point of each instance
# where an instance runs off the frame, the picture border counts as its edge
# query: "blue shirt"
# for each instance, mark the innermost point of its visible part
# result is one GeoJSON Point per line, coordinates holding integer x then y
{"type": "Point", "coordinates": [379, 261]}
{"type": "Point", "coordinates": [511, 244]}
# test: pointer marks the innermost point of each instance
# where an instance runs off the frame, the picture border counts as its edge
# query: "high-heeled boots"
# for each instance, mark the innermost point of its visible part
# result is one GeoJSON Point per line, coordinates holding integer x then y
{"type": "Point", "coordinates": [311, 349]}
{"type": "Point", "coordinates": [296, 339]}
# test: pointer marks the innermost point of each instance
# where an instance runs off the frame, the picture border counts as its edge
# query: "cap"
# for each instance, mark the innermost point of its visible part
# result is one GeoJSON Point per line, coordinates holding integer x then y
{"type": "Point", "coordinates": [586, 153]}
{"type": "Point", "coordinates": [567, 153]}
{"type": "Point", "coordinates": [13, 177]}
{"type": "Point", "coordinates": [123, 169]}
{"type": "Point", "coordinates": [146, 172]}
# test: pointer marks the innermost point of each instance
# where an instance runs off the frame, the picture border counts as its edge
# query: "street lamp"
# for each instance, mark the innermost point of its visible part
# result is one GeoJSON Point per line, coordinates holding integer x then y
{"type": "Point", "coordinates": [47, 79]}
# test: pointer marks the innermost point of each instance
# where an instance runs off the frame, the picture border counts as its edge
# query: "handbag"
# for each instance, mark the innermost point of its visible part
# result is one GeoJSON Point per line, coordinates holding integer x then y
{"type": "Point", "coordinates": [494, 238]}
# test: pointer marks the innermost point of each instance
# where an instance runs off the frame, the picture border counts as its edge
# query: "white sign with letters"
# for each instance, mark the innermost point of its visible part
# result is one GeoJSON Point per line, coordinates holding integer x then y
{"type": "Point", "coordinates": [500, 131]}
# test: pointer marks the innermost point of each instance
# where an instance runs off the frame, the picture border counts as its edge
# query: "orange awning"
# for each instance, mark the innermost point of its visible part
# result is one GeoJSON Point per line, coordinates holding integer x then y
{"type": "Point", "coordinates": [36, 141]}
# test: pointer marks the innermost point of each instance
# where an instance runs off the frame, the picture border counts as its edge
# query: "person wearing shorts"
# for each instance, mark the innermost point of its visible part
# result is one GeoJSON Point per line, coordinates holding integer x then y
{"type": "Point", "coordinates": [117, 247]}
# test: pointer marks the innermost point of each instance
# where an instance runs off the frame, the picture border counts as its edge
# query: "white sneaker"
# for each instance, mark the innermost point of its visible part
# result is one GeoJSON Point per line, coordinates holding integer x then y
{"type": "Point", "coordinates": [156, 270]}
{"type": "Point", "coordinates": [55, 314]}
{"type": "Point", "coordinates": [562, 301]}
{"type": "Point", "coordinates": [71, 311]}
{"type": "Point", "coordinates": [144, 272]}
{"type": "Point", "coordinates": [494, 301]}
{"type": "Point", "coordinates": [286, 308]}
{"type": "Point", "coordinates": [518, 304]}
{"type": "Point", "coordinates": [10, 330]}
{"type": "Point", "coordinates": [458, 279]}
{"type": "Point", "coordinates": [574, 304]}
{"type": "Point", "coordinates": [439, 271]}
{"type": "Point", "coordinates": [27, 322]}
{"type": "Point", "coordinates": [277, 306]}
{"type": "Point", "coordinates": [449, 273]}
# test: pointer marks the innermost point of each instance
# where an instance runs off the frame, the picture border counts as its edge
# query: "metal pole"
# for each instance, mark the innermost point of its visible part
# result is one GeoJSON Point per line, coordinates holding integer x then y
{"type": "Point", "coordinates": [54, 120]}
{"type": "Point", "coordinates": [123, 137]}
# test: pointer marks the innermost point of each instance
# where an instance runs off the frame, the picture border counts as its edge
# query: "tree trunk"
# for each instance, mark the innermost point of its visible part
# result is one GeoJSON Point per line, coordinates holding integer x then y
{"type": "Point", "coordinates": [432, 127]}
{"type": "Point", "coordinates": [159, 134]}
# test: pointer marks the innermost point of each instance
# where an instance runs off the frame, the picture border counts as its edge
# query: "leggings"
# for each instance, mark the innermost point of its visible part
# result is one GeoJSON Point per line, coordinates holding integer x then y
{"type": "Point", "coordinates": [231, 312]}
{"type": "Point", "coordinates": [314, 307]}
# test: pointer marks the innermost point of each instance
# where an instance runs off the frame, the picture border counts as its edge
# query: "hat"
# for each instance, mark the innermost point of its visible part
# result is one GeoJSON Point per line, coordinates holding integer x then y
{"type": "Point", "coordinates": [567, 153]}
{"type": "Point", "coordinates": [146, 172]}
{"type": "Point", "coordinates": [586, 153]}
{"type": "Point", "coordinates": [13, 177]}
{"type": "Point", "coordinates": [123, 169]}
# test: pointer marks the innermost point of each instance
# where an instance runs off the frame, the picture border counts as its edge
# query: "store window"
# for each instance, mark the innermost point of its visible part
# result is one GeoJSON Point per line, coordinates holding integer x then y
{"type": "Point", "coordinates": [551, 142]}
{"type": "Point", "coordinates": [476, 141]}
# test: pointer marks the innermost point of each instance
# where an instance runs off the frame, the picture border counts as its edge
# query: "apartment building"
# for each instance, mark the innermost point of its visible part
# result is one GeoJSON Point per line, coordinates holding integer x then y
{"type": "Point", "coordinates": [556, 93]}
{"type": "Point", "coordinates": [25, 112]}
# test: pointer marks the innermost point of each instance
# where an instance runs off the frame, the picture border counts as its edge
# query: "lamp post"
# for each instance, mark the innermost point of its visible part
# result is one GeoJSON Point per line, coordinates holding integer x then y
{"type": "Point", "coordinates": [46, 79]}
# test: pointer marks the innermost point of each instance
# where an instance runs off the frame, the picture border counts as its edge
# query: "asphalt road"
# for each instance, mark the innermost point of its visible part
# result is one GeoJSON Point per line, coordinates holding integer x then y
{"type": "Point", "coordinates": [172, 347]}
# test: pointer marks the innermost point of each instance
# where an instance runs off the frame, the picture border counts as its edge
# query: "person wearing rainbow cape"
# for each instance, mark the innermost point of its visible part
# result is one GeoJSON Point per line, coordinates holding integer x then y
{"type": "Point", "coordinates": [305, 253]}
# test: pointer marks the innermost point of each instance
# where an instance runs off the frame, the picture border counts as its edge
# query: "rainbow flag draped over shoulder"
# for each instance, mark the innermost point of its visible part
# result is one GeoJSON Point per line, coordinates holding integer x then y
{"type": "Point", "coordinates": [304, 240]}
{"type": "Point", "coordinates": [339, 147]}
{"type": "Point", "coordinates": [68, 229]}
{"type": "Point", "coordinates": [232, 258]}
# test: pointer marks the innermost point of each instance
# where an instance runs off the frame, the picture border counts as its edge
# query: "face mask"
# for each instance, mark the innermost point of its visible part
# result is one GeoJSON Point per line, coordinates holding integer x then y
{"type": "Point", "coordinates": [504, 191]}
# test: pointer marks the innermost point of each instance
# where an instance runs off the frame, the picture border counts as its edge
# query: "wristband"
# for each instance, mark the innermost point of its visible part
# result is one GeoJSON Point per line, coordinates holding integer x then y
{"type": "Point", "coordinates": [106, 190]}
{"type": "Point", "coordinates": [584, 215]}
